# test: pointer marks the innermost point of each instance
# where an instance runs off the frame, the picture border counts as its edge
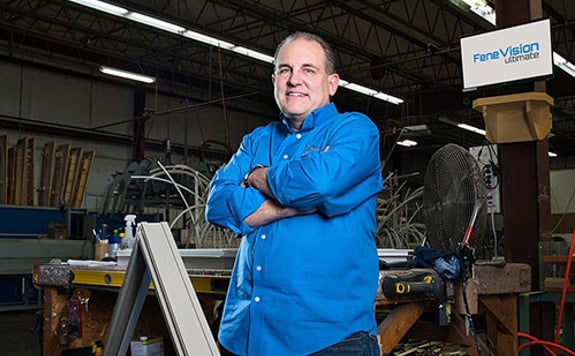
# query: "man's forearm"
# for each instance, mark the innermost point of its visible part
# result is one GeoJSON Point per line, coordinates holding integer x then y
{"type": "Point", "coordinates": [258, 180]}
{"type": "Point", "coordinates": [268, 212]}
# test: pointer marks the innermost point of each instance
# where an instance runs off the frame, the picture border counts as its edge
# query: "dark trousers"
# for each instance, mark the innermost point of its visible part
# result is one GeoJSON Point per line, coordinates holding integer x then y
{"type": "Point", "coordinates": [359, 344]}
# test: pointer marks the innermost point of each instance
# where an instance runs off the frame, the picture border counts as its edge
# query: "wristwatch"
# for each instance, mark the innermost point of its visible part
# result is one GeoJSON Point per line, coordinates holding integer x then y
{"type": "Point", "coordinates": [246, 181]}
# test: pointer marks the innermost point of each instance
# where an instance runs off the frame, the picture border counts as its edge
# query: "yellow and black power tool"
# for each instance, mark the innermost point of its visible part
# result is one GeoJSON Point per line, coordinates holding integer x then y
{"type": "Point", "coordinates": [417, 284]}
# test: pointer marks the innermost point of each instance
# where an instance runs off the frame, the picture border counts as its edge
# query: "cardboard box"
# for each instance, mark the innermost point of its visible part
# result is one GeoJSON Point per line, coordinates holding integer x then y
{"type": "Point", "coordinates": [100, 251]}
{"type": "Point", "coordinates": [147, 347]}
{"type": "Point", "coordinates": [517, 117]}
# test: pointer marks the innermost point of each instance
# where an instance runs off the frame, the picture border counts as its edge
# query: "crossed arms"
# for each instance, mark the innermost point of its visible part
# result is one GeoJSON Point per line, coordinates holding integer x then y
{"type": "Point", "coordinates": [330, 181]}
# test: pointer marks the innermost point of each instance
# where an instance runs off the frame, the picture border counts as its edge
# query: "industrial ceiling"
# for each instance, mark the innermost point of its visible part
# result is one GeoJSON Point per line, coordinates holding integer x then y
{"type": "Point", "coordinates": [406, 48]}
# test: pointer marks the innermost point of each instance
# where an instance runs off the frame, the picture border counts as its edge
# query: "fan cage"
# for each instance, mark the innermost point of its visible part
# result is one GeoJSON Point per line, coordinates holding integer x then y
{"type": "Point", "coordinates": [452, 187]}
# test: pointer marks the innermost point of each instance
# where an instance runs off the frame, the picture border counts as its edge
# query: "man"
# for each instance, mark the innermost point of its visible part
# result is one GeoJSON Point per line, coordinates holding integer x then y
{"type": "Point", "coordinates": [302, 193]}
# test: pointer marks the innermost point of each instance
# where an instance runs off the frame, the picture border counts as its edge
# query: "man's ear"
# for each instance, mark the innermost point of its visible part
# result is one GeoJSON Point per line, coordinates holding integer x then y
{"type": "Point", "coordinates": [273, 78]}
{"type": "Point", "coordinates": [333, 81]}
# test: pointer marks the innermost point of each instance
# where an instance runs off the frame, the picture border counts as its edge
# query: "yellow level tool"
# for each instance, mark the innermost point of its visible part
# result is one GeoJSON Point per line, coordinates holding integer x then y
{"type": "Point", "coordinates": [202, 283]}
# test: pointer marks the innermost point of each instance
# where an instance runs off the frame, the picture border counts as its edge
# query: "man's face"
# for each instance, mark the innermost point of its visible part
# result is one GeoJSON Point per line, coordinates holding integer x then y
{"type": "Point", "coordinates": [301, 83]}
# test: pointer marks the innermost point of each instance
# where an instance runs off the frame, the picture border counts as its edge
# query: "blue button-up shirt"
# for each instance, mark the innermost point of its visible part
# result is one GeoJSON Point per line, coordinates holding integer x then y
{"type": "Point", "coordinates": [303, 283]}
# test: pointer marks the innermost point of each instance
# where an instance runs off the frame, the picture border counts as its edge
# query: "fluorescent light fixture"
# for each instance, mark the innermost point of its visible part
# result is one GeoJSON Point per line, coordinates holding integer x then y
{"type": "Point", "coordinates": [416, 128]}
{"type": "Point", "coordinates": [407, 143]}
{"type": "Point", "coordinates": [564, 64]}
{"type": "Point", "coordinates": [154, 22]}
{"type": "Point", "coordinates": [102, 6]}
{"type": "Point", "coordinates": [212, 41]}
{"type": "Point", "coordinates": [127, 75]}
{"type": "Point", "coordinates": [196, 36]}
{"type": "Point", "coordinates": [552, 154]}
{"type": "Point", "coordinates": [253, 54]}
{"type": "Point", "coordinates": [471, 128]}
{"type": "Point", "coordinates": [463, 126]}
{"type": "Point", "coordinates": [370, 92]}
{"type": "Point", "coordinates": [481, 8]}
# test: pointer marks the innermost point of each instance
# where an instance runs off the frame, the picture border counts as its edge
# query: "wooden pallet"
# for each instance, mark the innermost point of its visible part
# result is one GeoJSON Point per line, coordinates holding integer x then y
{"type": "Point", "coordinates": [47, 174]}
{"type": "Point", "coordinates": [60, 174]}
{"type": "Point", "coordinates": [71, 175]}
{"type": "Point", "coordinates": [20, 172]}
{"type": "Point", "coordinates": [28, 170]}
{"type": "Point", "coordinates": [18, 178]}
{"type": "Point", "coordinates": [11, 175]}
{"type": "Point", "coordinates": [84, 169]}
{"type": "Point", "coordinates": [64, 174]}
{"type": "Point", "coordinates": [3, 169]}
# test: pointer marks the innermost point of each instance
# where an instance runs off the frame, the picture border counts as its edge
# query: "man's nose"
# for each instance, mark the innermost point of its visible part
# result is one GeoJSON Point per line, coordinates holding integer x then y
{"type": "Point", "coordinates": [295, 78]}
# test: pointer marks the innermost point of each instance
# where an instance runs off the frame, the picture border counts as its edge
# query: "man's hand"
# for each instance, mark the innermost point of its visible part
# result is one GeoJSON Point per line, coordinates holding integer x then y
{"type": "Point", "coordinates": [257, 179]}
{"type": "Point", "coordinates": [271, 211]}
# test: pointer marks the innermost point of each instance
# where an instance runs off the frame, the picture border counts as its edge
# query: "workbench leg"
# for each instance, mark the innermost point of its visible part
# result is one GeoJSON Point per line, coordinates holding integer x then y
{"type": "Point", "coordinates": [458, 334]}
{"type": "Point", "coordinates": [397, 323]}
{"type": "Point", "coordinates": [54, 305]}
{"type": "Point", "coordinates": [501, 315]}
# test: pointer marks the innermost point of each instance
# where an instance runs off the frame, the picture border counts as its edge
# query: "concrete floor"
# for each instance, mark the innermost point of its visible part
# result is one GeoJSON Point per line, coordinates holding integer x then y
{"type": "Point", "coordinates": [16, 334]}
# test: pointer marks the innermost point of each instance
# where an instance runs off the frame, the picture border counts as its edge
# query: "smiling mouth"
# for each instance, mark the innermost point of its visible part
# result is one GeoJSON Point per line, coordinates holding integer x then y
{"type": "Point", "coordinates": [296, 94]}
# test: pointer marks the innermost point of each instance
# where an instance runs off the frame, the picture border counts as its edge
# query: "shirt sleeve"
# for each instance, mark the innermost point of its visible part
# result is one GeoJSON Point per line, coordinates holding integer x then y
{"type": "Point", "coordinates": [229, 203]}
{"type": "Point", "coordinates": [336, 180]}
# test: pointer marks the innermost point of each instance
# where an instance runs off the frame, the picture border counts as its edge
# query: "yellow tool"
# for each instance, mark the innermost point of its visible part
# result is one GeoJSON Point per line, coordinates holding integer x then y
{"type": "Point", "coordinates": [417, 284]}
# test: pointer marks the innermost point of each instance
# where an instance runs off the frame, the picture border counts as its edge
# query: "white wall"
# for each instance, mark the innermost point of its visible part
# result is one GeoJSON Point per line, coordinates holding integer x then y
{"type": "Point", "coordinates": [42, 97]}
{"type": "Point", "coordinates": [562, 191]}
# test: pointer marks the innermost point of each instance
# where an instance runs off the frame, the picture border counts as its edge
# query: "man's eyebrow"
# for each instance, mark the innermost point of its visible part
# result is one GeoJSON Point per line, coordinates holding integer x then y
{"type": "Point", "coordinates": [306, 65]}
{"type": "Point", "coordinates": [310, 65]}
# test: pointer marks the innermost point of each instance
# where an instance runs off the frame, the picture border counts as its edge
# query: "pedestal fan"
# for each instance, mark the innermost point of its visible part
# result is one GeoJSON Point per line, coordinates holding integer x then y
{"type": "Point", "coordinates": [454, 199]}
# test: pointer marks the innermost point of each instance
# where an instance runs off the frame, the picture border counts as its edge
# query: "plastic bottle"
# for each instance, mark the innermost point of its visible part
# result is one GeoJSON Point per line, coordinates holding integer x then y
{"type": "Point", "coordinates": [129, 240]}
{"type": "Point", "coordinates": [114, 244]}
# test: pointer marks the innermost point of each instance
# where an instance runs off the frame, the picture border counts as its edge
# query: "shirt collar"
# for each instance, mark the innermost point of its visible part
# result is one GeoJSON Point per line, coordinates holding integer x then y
{"type": "Point", "coordinates": [315, 118]}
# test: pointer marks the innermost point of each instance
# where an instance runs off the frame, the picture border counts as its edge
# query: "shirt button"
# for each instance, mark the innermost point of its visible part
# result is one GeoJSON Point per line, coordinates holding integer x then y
{"type": "Point", "coordinates": [263, 237]}
{"type": "Point", "coordinates": [257, 299]}
{"type": "Point", "coordinates": [286, 156]}
{"type": "Point", "coordinates": [258, 268]}
{"type": "Point", "coordinates": [298, 136]}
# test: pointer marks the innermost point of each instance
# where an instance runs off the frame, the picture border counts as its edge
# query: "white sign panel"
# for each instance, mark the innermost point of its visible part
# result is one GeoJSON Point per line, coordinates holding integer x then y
{"type": "Point", "coordinates": [515, 53]}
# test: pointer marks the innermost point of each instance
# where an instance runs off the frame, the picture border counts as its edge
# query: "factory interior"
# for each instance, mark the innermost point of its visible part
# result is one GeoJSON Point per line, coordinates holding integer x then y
{"type": "Point", "coordinates": [115, 115]}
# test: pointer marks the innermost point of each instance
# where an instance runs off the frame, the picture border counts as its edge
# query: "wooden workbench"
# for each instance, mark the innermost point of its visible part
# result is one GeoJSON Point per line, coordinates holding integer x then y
{"type": "Point", "coordinates": [492, 291]}
{"type": "Point", "coordinates": [96, 288]}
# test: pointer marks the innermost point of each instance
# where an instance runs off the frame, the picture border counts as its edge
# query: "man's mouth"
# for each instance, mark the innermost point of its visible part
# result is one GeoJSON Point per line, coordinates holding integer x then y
{"type": "Point", "coordinates": [296, 94]}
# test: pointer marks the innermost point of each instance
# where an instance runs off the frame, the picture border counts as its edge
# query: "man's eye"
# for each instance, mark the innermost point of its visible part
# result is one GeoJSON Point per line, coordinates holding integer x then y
{"type": "Point", "coordinates": [308, 70]}
{"type": "Point", "coordinates": [283, 71]}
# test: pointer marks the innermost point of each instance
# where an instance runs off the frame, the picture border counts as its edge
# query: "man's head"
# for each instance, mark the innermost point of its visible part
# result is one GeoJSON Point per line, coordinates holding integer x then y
{"type": "Point", "coordinates": [304, 76]}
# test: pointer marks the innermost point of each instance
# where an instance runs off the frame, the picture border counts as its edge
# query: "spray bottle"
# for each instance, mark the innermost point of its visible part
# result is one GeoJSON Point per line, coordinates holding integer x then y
{"type": "Point", "coordinates": [128, 240]}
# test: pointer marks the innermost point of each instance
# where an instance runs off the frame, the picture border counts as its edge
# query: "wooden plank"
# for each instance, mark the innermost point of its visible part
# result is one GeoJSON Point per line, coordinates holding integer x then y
{"type": "Point", "coordinates": [555, 259]}
{"type": "Point", "coordinates": [458, 334]}
{"type": "Point", "coordinates": [3, 169]}
{"type": "Point", "coordinates": [392, 329]}
{"type": "Point", "coordinates": [507, 278]}
{"type": "Point", "coordinates": [501, 312]}
{"type": "Point", "coordinates": [54, 305]}
{"type": "Point", "coordinates": [73, 165]}
{"type": "Point", "coordinates": [11, 175]}
{"type": "Point", "coordinates": [29, 159]}
{"type": "Point", "coordinates": [83, 175]}
{"type": "Point", "coordinates": [20, 172]}
{"type": "Point", "coordinates": [60, 172]}
{"type": "Point", "coordinates": [47, 174]}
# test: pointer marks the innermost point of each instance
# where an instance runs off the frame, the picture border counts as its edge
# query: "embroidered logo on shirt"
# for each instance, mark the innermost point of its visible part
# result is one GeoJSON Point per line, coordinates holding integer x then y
{"type": "Point", "coordinates": [309, 149]}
